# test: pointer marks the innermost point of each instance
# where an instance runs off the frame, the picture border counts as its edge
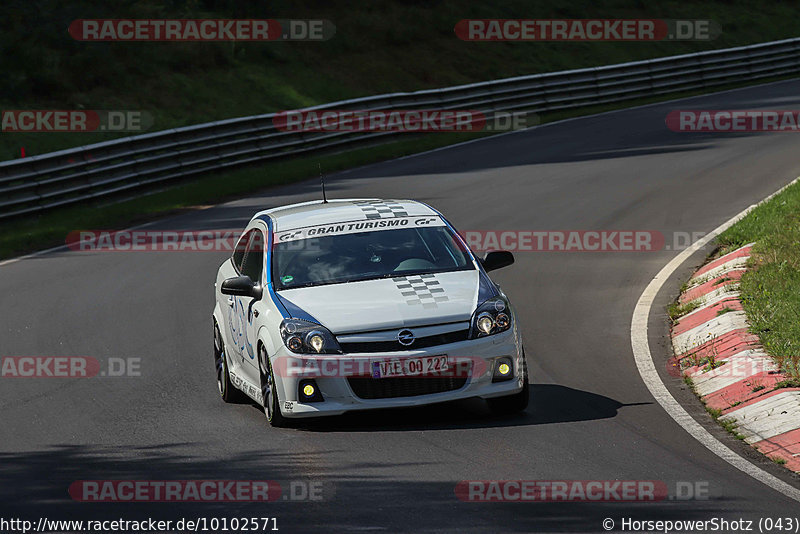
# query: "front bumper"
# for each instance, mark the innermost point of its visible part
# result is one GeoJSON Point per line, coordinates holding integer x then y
{"type": "Point", "coordinates": [339, 397]}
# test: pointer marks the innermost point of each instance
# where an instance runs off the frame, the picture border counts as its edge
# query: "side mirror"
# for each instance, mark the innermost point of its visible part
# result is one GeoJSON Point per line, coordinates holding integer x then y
{"type": "Point", "coordinates": [241, 286]}
{"type": "Point", "coordinates": [497, 259]}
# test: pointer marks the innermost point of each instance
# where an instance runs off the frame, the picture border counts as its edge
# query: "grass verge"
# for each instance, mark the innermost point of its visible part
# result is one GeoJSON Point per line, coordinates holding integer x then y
{"type": "Point", "coordinates": [770, 290]}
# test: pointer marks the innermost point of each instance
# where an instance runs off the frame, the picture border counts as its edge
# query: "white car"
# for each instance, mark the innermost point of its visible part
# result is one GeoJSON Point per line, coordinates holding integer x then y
{"type": "Point", "coordinates": [360, 304]}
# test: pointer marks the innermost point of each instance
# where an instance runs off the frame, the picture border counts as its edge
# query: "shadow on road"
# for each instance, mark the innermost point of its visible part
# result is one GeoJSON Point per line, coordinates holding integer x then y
{"type": "Point", "coordinates": [35, 484]}
{"type": "Point", "coordinates": [549, 404]}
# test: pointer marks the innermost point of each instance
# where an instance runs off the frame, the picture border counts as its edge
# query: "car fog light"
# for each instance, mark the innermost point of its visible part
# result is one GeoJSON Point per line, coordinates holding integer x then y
{"type": "Point", "coordinates": [503, 370]}
{"type": "Point", "coordinates": [309, 392]}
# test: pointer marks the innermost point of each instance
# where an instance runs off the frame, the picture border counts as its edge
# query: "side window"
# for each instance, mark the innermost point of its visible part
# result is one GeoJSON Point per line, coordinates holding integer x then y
{"type": "Point", "coordinates": [238, 252]}
{"type": "Point", "coordinates": [253, 261]}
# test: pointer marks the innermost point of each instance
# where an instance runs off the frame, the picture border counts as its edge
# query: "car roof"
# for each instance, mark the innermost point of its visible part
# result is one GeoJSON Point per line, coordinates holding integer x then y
{"type": "Point", "coordinates": [342, 210]}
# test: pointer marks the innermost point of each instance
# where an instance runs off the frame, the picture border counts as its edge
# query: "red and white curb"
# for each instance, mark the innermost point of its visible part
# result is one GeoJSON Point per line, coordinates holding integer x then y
{"type": "Point", "coordinates": [730, 369]}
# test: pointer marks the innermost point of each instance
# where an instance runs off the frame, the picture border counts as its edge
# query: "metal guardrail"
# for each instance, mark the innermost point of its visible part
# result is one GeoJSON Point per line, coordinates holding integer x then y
{"type": "Point", "coordinates": [149, 161]}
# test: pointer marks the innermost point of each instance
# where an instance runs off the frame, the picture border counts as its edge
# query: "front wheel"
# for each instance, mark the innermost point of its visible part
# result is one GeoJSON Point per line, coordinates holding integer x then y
{"type": "Point", "coordinates": [513, 403]}
{"type": "Point", "coordinates": [269, 392]}
{"type": "Point", "coordinates": [227, 390]}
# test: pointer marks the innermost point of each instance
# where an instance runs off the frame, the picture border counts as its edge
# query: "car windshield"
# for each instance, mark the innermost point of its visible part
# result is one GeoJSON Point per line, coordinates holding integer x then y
{"type": "Point", "coordinates": [359, 256]}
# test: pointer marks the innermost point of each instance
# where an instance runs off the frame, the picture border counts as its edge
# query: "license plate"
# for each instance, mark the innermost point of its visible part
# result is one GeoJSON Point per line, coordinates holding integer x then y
{"type": "Point", "coordinates": [427, 365]}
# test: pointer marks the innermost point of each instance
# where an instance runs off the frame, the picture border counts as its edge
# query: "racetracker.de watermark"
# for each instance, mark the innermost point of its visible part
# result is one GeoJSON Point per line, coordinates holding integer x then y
{"type": "Point", "coordinates": [708, 366]}
{"type": "Point", "coordinates": [68, 367]}
{"type": "Point", "coordinates": [396, 120]}
{"type": "Point", "coordinates": [586, 30]}
{"type": "Point", "coordinates": [379, 366]}
{"type": "Point", "coordinates": [740, 120]}
{"type": "Point", "coordinates": [201, 30]}
{"type": "Point", "coordinates": [153, 240]}
{"type": "Point", "coordinates": [478, 240]}
{"type": "Point", "coordinates": [198, 490]}
{"type": "Point", "coordinates": [76, 120]}
{"type": "Point", "coordinates": [606, 491]}
{"type": "Point", "coordinates": [564, 241]}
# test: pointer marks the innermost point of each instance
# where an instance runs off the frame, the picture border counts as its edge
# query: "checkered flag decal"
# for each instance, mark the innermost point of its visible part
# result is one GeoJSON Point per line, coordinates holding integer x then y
{"type": "Point", "coordinates": [381, 209]}
{"type": "Point", "coordinates": [421, 289]}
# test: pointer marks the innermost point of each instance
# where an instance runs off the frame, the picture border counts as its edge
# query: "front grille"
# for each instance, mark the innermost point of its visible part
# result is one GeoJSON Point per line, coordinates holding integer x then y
{"type": "Point", "coordinates": [390, 388]}
{"type": "Point", "coordinates": [394, 345]}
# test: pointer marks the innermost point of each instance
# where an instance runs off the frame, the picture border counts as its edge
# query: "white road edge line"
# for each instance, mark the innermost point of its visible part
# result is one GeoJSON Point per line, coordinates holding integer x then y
{"type": "Point", "coordinates": [649, 374]}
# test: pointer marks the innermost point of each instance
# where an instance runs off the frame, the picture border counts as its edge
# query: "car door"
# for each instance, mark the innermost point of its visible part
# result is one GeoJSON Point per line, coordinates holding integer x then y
{"type": "Point", "coordinates": [231, 305]}
{"type": "Point", "coordinates": [252, 266]}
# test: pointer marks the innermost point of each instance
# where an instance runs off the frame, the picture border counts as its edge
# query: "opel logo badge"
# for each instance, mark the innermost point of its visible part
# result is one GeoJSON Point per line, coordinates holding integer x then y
{"type": "Point", "coordinates": [405, 337]}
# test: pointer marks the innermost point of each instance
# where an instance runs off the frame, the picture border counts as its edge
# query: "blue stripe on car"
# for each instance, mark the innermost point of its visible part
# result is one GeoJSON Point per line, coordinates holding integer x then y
{"type": "Point", "coordinates": [296, 311]}
{"type": "Point", "coordinates": [268, 258]}
{"type": "Point", "coordinates": [287, 308]}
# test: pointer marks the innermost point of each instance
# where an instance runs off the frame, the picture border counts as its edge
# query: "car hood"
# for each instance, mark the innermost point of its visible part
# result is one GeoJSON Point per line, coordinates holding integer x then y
{"type": "Point", "coordinates": [388, 303]}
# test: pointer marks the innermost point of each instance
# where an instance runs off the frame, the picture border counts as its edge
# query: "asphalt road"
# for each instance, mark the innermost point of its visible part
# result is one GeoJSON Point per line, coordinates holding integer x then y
{"type": "Point", "coordinates": [591, 417]}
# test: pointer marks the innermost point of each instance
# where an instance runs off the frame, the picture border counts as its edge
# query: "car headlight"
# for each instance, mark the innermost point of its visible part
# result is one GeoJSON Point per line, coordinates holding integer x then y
{"type": "Point", "coordinates": [491, 317]}
{"type": "Point", "coordinates": [304, 337]}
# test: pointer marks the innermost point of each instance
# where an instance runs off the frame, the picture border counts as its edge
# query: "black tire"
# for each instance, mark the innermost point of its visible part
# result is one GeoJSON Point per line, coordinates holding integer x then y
{"type": "Point", "coordinates": [227, 390]}
{"type": "Point", "coordinates": [515, 403]}
{"type": "Point", "coordinates": [269, 392]}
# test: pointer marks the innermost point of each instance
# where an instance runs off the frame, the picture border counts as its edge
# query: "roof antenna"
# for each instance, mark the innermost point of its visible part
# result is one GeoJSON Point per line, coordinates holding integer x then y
{"type": "Point", "coordinates": [322, 180]}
